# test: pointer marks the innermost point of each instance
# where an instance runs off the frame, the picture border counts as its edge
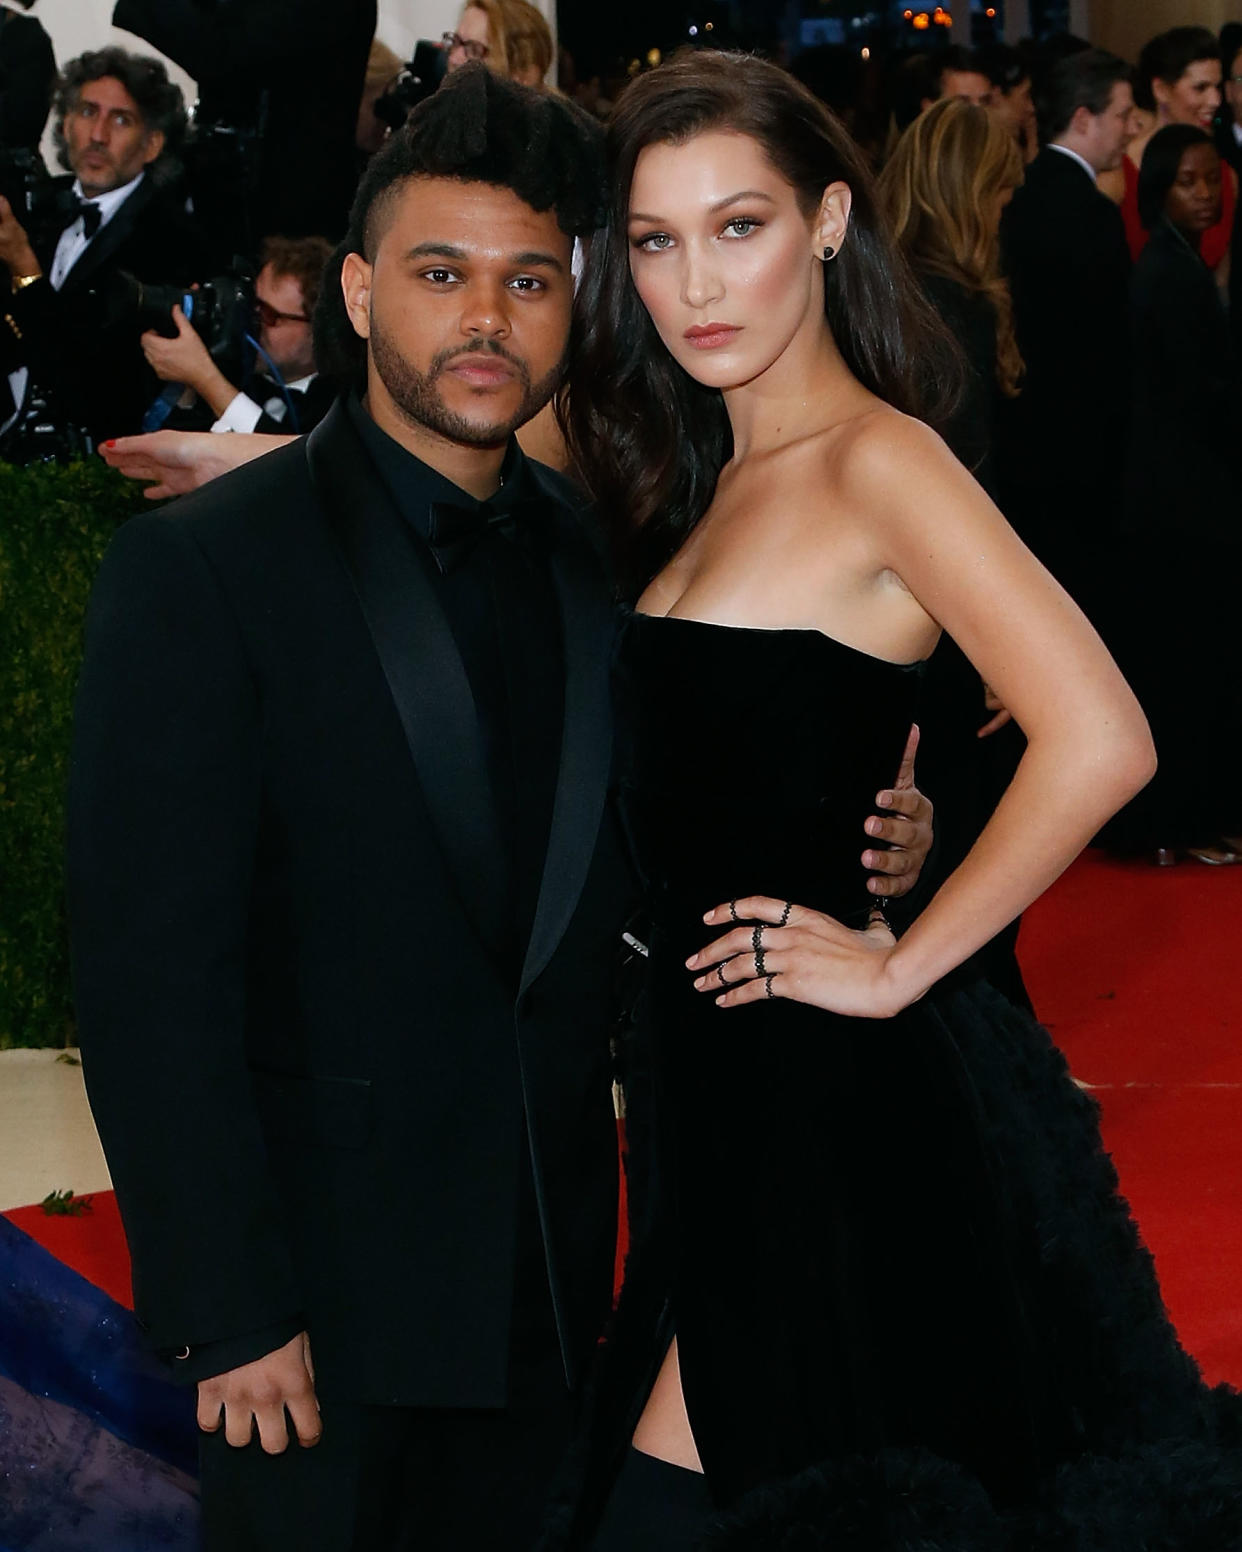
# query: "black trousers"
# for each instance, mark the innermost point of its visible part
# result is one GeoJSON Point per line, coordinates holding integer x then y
{"type": "Point", "coordinates": [396, 1479]}
{"type": "Point", "coordinates": [388, 1479]}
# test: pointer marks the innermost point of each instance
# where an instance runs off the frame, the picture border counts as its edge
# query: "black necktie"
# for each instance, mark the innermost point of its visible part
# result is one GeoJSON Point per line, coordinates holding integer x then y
{"type": "Point", "coordinates": [91, 217]}
{"type": "Point", "coordinates": [454, 531]}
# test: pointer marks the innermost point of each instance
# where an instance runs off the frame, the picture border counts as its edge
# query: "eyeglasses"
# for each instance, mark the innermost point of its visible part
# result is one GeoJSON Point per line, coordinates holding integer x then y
{"type": "Point", "coordinates": [269, 317]}
{"type": "Point", "coordinates": [470, 47]}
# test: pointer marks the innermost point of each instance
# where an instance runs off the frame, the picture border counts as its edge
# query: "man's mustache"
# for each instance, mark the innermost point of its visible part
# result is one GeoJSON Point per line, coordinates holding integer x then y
{"type": "Point", "coordinates": [484, 347]}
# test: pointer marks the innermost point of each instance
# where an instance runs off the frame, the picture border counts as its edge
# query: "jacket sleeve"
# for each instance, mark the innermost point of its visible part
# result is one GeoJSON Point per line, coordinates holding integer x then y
{"type": "Point", "coordinates": [163, 824]}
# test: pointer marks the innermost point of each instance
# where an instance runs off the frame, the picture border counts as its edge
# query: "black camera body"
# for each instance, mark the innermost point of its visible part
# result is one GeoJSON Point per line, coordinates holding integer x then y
{"type": "Point", "coordinates": [36, 198]}
{"type": "Point", "coordinates": [418, 80]}
{"type": "Point", "coordinates": [220, 310]}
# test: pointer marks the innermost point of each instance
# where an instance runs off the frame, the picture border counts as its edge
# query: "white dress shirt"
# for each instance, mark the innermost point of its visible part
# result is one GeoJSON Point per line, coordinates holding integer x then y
{"type": "Point", "coordinates": [243, 414]}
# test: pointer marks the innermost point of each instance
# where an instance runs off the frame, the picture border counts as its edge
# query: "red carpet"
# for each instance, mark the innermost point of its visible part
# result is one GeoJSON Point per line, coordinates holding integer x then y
{"type": "Point", "coordinates": [1135, 969]}
{"type": "Point", "coordinates": [93, 1244]}
{"type": "Point", "coordinates": [1136, 972]}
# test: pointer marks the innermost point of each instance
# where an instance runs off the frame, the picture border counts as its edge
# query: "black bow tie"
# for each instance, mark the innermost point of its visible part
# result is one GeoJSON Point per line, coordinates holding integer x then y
{"type": "Point", "coordinates": [454, 531]}
{"type": "Point", "coordinates": [91, 216]}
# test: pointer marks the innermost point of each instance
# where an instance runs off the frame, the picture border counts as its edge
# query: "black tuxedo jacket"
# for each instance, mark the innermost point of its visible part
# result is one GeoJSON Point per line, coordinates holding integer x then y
{"type": "Point", "coordinates": [82, 341]}
{"type": "Point", "coordinates": [1061, 441]}
{"type": "Point", "coordinates": [314, 1077]}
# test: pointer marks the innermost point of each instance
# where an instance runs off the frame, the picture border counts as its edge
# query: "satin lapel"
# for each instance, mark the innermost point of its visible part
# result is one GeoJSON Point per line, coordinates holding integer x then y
{"type": "Point", "coordinates": [588, 622]}
{"type": "Point", "coordinates": [421, 662]}
{"type": "Point", "coordinates": [109, 238]}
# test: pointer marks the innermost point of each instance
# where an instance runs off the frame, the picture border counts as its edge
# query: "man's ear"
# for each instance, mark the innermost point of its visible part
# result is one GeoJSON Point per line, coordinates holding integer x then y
{"type": "Point", "coordinates": [833, 219]}
{"type": "Point", "coordinates": [356, 289]}
{"type": "Point", "coordinates": [153, 146]}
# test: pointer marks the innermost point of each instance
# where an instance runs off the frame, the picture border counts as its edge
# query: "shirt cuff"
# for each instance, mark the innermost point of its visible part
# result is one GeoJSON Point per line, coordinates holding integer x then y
{"type": "Point", "coordinates": [192, 1364]}
{"type": "Point", "coordinates": [242, 414]}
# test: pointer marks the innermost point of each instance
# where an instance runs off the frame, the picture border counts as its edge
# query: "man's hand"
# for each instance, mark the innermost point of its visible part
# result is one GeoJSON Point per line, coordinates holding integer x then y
{"type": "Point", "coordinates": [262, 1392]}
{"type": "Point", "coordinates": [180, 461]}
{"type": "Point", "coordinates": [1001, 713]}
{"type": "Point", "coordinates": [15, 249]}
{"type": "Point", "coordinates": [184, 359]}
{"type": "Point", "coordinates": [906, 826]}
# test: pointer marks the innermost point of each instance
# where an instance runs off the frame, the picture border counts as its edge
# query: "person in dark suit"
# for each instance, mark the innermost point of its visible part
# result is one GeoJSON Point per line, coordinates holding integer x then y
{"type": "Point", "coordinates": [70, 324]}
{"type": "Point", "coordinates": [1062, 438]}
{"type": "Point", "coordinates": [283, 392]}
{"type": "Point", "coordinates": [346, 897]}
{"type": "Point", "coordinates": [27, 77]}
{"type": "Point", "coordinates": [289, 72]}
{"type": "Point", "coordinates": [346, 893]}
{"type": "Point", "coordinates": [1183, 474]}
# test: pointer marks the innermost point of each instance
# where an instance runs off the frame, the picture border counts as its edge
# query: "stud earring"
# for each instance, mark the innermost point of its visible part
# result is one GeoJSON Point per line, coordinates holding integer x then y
{"type": "Point", "coordinates": [829, 253]}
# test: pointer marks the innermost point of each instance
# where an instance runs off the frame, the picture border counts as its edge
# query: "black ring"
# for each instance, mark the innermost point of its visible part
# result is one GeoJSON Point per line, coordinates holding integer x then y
{"type": "Point", "coordinates": [767, 984]}
{"type": "Point", "coordinates": [733, 916]}
{"type": "Point", "coordinates": [784, 921]}
{"type": "Point", "coordinates": [720, 975]}
{"type": "Point", "coordinates": [756, 943]}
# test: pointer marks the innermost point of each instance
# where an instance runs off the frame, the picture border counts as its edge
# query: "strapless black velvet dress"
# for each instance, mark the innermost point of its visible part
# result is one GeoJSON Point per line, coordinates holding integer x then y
{"type": "Point", "coordinates": [912, 1310]}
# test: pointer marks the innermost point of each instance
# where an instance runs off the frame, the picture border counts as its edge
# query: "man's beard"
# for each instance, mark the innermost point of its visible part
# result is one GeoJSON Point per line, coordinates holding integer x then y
{"type": "Point", "coordinates": [417, 397]}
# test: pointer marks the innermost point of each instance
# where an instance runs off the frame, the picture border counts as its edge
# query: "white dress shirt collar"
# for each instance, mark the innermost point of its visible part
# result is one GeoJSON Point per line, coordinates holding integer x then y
{"type": "Point", "coordinates": [1074, 156]}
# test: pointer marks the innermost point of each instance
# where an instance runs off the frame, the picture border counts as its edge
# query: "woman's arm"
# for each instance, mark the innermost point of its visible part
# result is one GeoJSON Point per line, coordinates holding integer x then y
{"type": "Point", "coordinates": [1088, 746]}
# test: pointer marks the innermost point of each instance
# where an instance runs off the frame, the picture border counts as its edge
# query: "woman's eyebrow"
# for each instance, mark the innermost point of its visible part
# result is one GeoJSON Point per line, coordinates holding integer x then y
{"type": "Point", "coordinates": [720, 204]}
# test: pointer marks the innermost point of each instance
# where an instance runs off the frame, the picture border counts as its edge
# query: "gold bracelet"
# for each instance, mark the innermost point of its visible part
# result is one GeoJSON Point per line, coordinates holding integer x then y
{"type": "Point", "coordinates": [20, 282]}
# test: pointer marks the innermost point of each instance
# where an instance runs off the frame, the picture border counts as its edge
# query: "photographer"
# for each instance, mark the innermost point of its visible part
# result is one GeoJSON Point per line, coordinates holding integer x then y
{"type": "Point", "coordinates": [68, 328]}
{"type": "Point", "coordinates": [283, 393]}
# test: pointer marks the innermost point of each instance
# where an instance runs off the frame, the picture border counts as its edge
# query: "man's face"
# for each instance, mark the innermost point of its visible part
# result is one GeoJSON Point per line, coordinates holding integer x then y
{"type": "Point", "coordinates": [108, 143]}
{"type": "Point", "coordinates": [1109, 133]}
{"type": "Point", "coordinates": [287, 337]}
{"type": "Point", "coordinates": [465, 307]}
{"type": "Point", "coordinates": [969, 85]}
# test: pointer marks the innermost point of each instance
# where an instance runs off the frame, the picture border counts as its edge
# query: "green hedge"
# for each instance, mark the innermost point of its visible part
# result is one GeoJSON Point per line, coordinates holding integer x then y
{"type": "Point", "coordinates": [55, 522]}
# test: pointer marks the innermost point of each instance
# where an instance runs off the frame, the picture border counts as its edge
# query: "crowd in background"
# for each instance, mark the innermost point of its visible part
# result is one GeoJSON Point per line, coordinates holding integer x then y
{"type": "Point", "coordinates": [1069, 215]}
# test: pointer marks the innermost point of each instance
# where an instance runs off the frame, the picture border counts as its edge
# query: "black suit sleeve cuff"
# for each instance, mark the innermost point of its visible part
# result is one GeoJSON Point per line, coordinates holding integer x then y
{"type": "Point", "coordinates": [192, 1364]}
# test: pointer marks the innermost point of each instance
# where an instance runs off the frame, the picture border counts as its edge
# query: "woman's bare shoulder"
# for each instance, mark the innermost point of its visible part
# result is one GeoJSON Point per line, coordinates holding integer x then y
{"type": "Point", "coordinates": [886, 456]}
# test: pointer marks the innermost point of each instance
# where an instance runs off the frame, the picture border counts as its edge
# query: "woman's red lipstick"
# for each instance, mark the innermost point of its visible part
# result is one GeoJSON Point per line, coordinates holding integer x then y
{"type": "Point", "coordinates": [710, 336]}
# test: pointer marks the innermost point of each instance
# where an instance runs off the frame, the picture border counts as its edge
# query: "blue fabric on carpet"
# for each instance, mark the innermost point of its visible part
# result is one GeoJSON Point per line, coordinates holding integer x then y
{"type": "Point", "coordinates": [98, 1447]}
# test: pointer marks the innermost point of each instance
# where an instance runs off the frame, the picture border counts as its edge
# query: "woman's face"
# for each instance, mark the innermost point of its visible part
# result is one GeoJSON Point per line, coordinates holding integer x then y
{"type": "Point", "coordinates": [1193, 203]}
{"type": "Point", "coordinates": [471, 29]}
{"type": "Point", "coordinates": [722, 257]}
{"type": "Point", "coordinates": [1194, 97]}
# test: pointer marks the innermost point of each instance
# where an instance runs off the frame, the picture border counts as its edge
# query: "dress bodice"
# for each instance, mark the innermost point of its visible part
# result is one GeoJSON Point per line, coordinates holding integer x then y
{"type": "Point", "coordinates": [757, 756]}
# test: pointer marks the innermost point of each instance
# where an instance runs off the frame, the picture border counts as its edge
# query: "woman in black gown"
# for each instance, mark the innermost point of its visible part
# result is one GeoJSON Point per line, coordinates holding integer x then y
{"type": "Point", "coordinates": [883, 1293]}
{"type": "Point", "coordinates": [1176, 636]}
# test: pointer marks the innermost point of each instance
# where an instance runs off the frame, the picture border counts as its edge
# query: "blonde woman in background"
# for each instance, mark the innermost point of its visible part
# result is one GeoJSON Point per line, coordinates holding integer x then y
{"type": "Point", "coordinates": [511, 37]}
{"type": "Point", "coordinates": [950, 176]}
{"type": "Point", "coordinates": [943, 189]}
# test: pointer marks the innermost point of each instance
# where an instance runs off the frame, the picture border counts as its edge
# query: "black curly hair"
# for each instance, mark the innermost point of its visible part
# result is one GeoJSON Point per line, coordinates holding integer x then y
{"type": "Point", "coordinates": [146, 80]}
{"type": "Point", "coordinates": [478, 128]}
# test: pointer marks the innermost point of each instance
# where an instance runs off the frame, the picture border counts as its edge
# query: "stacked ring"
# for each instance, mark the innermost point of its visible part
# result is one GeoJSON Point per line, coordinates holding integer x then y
{"type": "Point", "coordinates": [784, 921]}
{"type": "Point", "coordinates": [720, 975]}
{"type": "Point", "coordinates": [767, 984]}
{"type": "Point", "coordinates": [756, 943]}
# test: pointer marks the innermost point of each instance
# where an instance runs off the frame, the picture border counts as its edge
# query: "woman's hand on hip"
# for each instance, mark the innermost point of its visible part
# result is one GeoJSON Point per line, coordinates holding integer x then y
{"type": "Point", "coordinates": [773, 948]}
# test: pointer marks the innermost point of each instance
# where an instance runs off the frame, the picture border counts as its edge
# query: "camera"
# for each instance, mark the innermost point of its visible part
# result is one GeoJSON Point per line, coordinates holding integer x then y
{"type": "Point", "coordinates": [220, 310]}
{"type": "Point", "coordinates": [35, 197]}
{"type": "Point", "coordinates": [42, 434]}
{"type": "Point", "coordinates": [418, 80]}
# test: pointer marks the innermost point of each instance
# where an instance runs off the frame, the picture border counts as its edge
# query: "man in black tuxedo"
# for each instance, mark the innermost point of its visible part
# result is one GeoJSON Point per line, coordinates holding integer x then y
{"type": "Point", "coordinates": [347, 897]}
{"type": "Point", "coordinates": [1062, 440]}
{"type": "Point", "coordinates": [70, 322]}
